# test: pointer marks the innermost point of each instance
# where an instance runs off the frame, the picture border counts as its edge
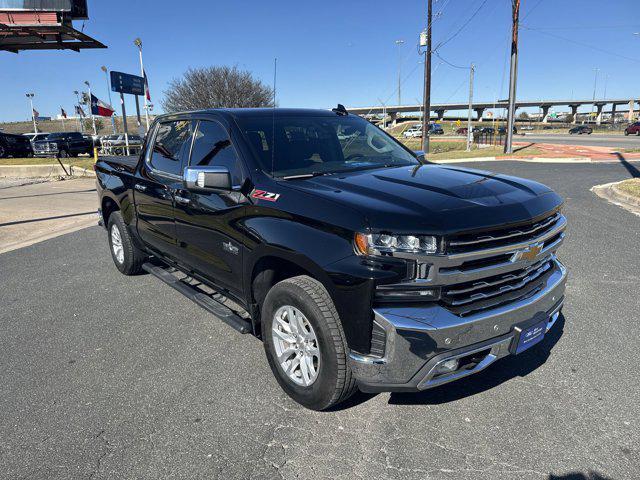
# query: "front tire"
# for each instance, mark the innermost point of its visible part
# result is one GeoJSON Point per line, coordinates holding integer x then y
{"type": "Point", "coordinates": [305, 344]}
{"type": "Point", "coordinates": [126, 256]}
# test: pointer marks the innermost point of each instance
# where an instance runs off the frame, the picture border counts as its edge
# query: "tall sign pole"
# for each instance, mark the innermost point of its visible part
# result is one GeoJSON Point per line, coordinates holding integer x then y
{"type": "Point", "coordinates": [138, 44]}
{"type": "Point", "coordinates": [124, 123]}
{"type": "Point", "coordinates": [93, 119]}
{"type": "Point", "coordinates": [513, 77]}
{"type": "Point", "coordinates": [426, 107]}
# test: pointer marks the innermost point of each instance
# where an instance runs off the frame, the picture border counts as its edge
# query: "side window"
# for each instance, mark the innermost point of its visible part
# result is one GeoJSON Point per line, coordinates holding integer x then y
{"type": "Point", "coordinates": [171, 144]}
{"type": "Point", "coordinates": [212, 147]}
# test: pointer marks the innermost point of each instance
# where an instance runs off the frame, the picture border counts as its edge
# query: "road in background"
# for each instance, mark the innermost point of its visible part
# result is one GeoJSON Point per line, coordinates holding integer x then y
{"type": "Point", "coordinates": [106, 376]}
{"type": "Point", "coordinates": [593, 140]}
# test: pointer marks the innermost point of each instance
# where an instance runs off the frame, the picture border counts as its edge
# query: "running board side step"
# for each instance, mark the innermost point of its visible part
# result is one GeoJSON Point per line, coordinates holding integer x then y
{"type": "Point", "coordinates": [221, 311]}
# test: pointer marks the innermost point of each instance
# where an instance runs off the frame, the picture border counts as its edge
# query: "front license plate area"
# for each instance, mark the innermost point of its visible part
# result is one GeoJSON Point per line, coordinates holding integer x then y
{"type": "Point", "coordinates": [526, 336]}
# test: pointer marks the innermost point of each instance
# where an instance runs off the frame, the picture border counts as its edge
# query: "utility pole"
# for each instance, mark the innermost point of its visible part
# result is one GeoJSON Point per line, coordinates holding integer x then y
{"type": "Point", "coordinates": [513, 76]}
{"type": "Point", "coordinates": [93, 119]}
{"type": "Point", "coordinates": [33, 115]}
{"type": "Point", "coordinates": [426, 99]}
{"type": "Point", "coordinates": [595, 86]}
{"type": "Point", "coordinates": [138, 43]}
{"type": "Point", "coordinates": [398, 43]}
{"type": "Point", "coordinates": [469, 115]}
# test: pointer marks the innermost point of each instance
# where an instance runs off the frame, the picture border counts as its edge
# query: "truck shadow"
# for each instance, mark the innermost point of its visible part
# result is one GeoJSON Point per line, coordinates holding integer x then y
{"type": "Point", "coordinates": [503, 370]}
{"type": "Point", "coordinates": [632, 169]}
{"type": "Point", "coordinates": [579, 476]}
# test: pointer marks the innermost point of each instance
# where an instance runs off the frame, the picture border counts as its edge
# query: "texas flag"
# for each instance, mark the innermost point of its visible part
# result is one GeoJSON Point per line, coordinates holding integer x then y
{"type": "Point", "coordinates": [146, 86]}
{"type": "Point", "coordinates": [63, 113]}
{"type": "Point", "coordinates": [99, 108]}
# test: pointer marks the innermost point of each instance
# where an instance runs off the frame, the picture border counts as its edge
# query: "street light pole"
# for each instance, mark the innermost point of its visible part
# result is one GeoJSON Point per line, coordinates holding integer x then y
{"type": "Point", "coordinates": [138, 43]}
{"type": "Point", "coordinates": [513, 76]}
{"type": "Point", "coordinates": [93, 119]}
{"type": "Point", "coordinates": [426, 100]}
{"type": "Point", "coordinates": [33, 116]}
{"type": "Point", "coordinates": [398, 43]}
{"type": "Point", "coordinates": [106, 74]}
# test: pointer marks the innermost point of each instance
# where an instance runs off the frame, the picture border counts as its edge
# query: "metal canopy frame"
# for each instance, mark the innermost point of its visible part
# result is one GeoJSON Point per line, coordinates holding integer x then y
{"type": "Point", "coordinates": [14, 38]}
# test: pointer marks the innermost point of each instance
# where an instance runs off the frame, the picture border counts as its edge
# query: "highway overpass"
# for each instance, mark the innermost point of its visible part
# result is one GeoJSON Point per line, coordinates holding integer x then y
{"type": "Point", "coordinates": [479, 107]}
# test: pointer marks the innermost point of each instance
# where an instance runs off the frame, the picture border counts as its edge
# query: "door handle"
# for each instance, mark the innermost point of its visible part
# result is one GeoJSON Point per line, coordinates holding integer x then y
{"type": "Point", "coordinates": [140, 188]}
{"type": "Point", "coordinates": [181, 200]}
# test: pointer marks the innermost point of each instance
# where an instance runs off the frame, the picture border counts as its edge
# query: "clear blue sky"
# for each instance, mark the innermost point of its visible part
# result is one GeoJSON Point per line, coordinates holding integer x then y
{"type": "Point", "coordinates": [342, 51]}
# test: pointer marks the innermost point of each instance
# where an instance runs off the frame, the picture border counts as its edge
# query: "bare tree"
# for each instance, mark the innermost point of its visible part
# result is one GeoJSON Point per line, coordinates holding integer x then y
{"type": "Point", "coordinates": [216, 87]}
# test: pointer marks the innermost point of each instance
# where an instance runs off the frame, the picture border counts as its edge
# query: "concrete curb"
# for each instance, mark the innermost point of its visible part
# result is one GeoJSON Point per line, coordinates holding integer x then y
{"type": "Point", "coordinates": [518, 159]}
{"type": "Point", "coordinates": [43, 171]}
{"type": "Point", "coordinates": [611, 193]}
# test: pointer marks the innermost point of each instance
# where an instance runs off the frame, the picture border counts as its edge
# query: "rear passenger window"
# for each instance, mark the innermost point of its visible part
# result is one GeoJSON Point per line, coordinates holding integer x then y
{"type": "Point", "coordinates": [212, 147]}
{"type": "Point", "coordinates": [171, 144]}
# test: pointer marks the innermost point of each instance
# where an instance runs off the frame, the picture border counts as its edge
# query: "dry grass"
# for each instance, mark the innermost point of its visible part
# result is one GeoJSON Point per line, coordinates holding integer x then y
{"type": "Point", "coordinates": [83, 162]}
{"type": "Point", "coordinates": [630, 187]}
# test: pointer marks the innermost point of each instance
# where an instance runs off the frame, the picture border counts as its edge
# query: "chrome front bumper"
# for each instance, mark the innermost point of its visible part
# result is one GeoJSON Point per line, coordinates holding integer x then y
{"type": "Point", "coordinates": [418, 339]}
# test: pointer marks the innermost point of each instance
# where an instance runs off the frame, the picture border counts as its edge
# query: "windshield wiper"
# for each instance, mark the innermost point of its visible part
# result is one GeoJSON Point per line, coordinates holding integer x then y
{"type": "Point", "coordinates": [305, 175]}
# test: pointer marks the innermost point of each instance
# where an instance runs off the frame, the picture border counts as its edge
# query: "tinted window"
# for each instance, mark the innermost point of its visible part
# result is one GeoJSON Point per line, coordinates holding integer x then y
{"type": "Point", "coordinates": [212, 146]}
{"type": "Point", "coordinates": [56, 136]}
{"type": "Point", "coordinates": [171, 145]}
{"type": "Point", "coordinates": [316, 144]}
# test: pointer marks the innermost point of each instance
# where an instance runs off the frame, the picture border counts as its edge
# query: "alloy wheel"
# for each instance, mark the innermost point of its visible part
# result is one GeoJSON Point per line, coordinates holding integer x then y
{"type": "Point", "coordinates": [296, 345]}
{"type": "Point", "coordinates": [116, 244]}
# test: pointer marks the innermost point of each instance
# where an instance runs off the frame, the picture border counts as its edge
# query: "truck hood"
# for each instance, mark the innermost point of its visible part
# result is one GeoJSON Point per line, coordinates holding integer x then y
{"type": "Point", "coordinates": [433, 198]}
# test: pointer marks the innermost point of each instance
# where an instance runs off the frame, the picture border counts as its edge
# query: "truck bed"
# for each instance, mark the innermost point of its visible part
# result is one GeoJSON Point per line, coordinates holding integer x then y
{"type": "Point", "coordinates": [126, 163]}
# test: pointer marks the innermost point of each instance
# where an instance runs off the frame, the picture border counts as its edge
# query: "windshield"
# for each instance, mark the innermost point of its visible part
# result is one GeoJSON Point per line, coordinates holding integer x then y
{"type": "Point", "coordinates": [307, 145]}
{"type": "Point", "coordinates": [56, 136]}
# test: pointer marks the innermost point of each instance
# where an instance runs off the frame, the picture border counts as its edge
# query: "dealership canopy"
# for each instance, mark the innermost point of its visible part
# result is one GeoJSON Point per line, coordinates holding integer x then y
{"type": "Point", "coordinates": [43, 25]}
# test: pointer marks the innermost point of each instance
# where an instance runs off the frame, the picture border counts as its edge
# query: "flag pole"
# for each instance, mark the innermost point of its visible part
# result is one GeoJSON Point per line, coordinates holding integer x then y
{"type": "Point", "coordinates": [106, 73]}
{"type": "Point", "coordinates": [138, 43]}
{"type": "Point", "coordinates": [78, 107]}
{"type": "Point", "coordinates": [93, 119]}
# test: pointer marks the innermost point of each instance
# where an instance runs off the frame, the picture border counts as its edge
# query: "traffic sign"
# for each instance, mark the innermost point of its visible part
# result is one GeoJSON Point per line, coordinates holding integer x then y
{"type": "Point", "coordinates": [125, 83]}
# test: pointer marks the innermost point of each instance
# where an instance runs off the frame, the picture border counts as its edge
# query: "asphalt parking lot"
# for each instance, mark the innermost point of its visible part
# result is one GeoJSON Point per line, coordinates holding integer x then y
{"type": "Point", "coordinates": [106, 376]}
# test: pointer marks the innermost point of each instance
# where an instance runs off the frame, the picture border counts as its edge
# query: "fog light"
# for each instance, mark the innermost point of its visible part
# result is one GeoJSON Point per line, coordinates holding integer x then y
{"type": "Point", "coordinates": [447, 366]}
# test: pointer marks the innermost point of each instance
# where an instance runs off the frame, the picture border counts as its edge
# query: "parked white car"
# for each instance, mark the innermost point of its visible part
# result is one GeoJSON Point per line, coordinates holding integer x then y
{"type": "Point", "coordinates": [413, 132]}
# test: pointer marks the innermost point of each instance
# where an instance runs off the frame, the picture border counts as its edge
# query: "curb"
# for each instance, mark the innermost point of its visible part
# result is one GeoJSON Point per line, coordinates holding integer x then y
{"type": "Point", "coordinates": [611, 193]}
{"type": "Point", "coordinates": [43, 171]}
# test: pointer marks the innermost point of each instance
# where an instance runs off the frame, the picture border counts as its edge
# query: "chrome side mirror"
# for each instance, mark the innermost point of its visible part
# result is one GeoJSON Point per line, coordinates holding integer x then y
{"type": "Point", "coordinates": [420, 156]}
{"type": "Point", "coordinates": [201, 179]}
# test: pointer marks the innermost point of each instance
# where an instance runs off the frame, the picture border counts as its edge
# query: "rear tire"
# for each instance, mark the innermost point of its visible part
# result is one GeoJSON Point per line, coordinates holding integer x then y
{"type": "Point", "coordinates": [126, 256]}
{"type": "Point", "coordinates": [333, 381]}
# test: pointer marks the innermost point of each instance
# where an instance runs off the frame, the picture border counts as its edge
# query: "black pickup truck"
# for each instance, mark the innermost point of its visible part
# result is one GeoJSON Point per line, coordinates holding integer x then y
{"type": "Point", "coordinates": [358, 263]}
{"type": "Point", "coordinates": [63, 145]}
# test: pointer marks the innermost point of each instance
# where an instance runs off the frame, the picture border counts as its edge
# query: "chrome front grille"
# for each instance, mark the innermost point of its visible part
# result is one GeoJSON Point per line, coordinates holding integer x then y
{"type": "Point", "coordinates": [485, 270]}
{"type": "Point", "coordinates": [502, 236]}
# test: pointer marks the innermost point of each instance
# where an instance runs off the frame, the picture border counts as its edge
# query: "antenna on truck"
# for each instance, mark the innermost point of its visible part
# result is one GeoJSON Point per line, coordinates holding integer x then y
{"type": "Point", "coordinates": [273, 126]}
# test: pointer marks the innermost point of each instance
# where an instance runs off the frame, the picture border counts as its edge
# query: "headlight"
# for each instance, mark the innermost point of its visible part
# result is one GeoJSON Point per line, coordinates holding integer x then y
{"type": "Point", "coordinates": [383, 244]}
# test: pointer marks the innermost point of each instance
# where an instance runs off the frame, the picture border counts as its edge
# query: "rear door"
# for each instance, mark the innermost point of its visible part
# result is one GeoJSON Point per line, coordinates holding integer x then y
{"type": "Point", "coordinates": [77, 143]}
{"type": "Point", "coordinates": [209, 240]}
{"type": "Point", "coordinates": [160, 177]}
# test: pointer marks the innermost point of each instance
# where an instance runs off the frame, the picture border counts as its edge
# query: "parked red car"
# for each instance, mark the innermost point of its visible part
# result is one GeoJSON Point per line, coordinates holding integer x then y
{"type": "Point", "coordinates": [633, 129]}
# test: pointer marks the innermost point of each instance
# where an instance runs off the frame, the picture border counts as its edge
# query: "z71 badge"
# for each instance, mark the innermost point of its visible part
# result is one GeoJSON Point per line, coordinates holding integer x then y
{"type": "Point", "coordinates": [262, 195]}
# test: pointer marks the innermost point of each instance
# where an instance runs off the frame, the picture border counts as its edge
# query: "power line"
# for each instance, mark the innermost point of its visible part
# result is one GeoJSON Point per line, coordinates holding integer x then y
{"type": "Point", "coordinates": [531, 10]}
{"type": "Point", "coordinates": [441, 44]}
{"type": "Point", "coordinates": [602, 50]}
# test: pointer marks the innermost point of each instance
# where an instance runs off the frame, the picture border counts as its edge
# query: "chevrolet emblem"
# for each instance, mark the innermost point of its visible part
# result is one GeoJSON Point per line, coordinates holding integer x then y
{"type": "Point", "coordinates": [527, 254]}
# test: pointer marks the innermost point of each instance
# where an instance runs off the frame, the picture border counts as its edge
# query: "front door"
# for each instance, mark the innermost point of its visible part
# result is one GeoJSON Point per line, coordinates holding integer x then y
{"type": "Point", "coordinates": [209, 239]}
{"type": "Point", "coordinates": [160, 177]}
